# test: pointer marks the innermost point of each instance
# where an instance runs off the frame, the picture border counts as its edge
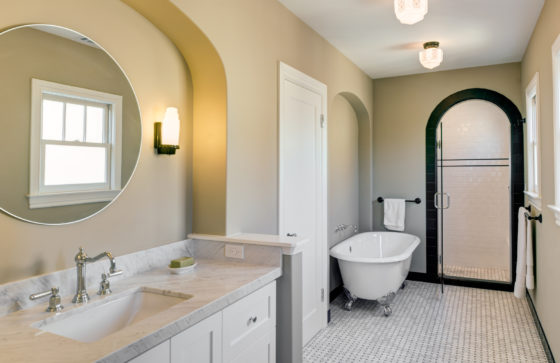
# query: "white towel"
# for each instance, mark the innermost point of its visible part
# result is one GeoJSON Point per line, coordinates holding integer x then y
{"type": "Point", "coordinates": [394, 214]}
{"type": "Point", "coordinates": [521, 268]}
{"type": "Point", "coordinates": [530, 281]}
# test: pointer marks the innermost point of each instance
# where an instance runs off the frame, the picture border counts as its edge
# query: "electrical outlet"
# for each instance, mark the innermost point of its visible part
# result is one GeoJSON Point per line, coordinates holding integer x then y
{"type": "Point", "coordinates": [235, 251]}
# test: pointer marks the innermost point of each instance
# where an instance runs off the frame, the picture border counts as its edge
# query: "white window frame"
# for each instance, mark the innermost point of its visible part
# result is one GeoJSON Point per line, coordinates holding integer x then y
{"type": "Point", "coordinates": [533, 188]}
{"type": "Point", "coordinates": [556, 103]}
{"type": "Point", "coordinates": [41, 196]}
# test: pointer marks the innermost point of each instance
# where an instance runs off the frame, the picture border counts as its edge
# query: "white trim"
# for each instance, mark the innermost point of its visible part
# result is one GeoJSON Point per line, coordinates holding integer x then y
{"type": "Point", "coordinates": [40, 195]}
{"type": "Point", "coordinates": [532, 92]}
{"type": "Point", "coordinates": [556, 210]}
{"type": "Point", "coordinates": [288, 73]}
{"type": "Point", "coordinates": [534, 199]}
{"type": "Point", "coordinates": [72, 198]}
{"type": "Point", "coordinates": [556, 122]}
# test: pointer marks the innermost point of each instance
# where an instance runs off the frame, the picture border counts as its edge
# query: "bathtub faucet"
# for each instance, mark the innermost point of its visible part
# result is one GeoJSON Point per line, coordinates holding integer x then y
{"type": "Point", "coordinates": [342, 227]}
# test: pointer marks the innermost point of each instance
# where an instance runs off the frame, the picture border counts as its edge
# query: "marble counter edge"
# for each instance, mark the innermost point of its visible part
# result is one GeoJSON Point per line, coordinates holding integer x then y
{"type": "Point", "coordinates": [168, 331]}
{"type": "Point", "coordinates": [289, 245]}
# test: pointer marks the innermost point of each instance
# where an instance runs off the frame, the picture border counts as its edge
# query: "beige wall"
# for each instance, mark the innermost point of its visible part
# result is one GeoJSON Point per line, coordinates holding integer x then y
{"type": "Point", "coordinates": [402, 106]}
{"type": "Point", "coordinates": [252, 36]}
{"type": "Point", "coordinates": [31, 53]}
{"type": "Point", "coordinates": [538, 58]}
{"type": "Point", "coordinates": [155, 208]}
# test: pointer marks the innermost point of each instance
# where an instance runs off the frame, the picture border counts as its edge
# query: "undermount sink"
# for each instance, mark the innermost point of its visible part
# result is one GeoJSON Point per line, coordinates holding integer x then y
{"type": "Point", "coordinates": [101, 318]}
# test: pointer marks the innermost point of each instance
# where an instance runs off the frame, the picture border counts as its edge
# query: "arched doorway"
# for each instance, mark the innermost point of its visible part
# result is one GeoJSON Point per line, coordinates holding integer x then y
{"type": "Point", "coordinates": [436, 170]}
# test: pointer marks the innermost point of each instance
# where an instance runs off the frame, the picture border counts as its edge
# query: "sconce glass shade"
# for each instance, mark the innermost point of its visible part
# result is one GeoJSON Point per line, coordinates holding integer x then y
{"type": "Point", "coordinates": [431, 56]}
{"type": "Point", "coordinates": [166, 133]}
{"type": "Point", "coordinates": [411, 11]}
{"type": "Point", "coordinates": [170, 127]}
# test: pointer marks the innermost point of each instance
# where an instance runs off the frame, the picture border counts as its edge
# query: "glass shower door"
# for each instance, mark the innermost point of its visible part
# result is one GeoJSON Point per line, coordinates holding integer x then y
{"type": "Point", "coordinates": [473, 197]}
{"type": "Point", "coordinates": [441, 202]}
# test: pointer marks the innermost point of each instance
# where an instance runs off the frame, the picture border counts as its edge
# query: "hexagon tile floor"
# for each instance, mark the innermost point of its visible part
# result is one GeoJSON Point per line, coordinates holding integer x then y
{"type": "Point", "coordinates": [462, 325]}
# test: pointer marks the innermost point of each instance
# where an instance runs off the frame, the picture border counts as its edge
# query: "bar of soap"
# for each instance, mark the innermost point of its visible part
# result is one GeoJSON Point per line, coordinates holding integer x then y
{"type": "Point", "coordinates": [181, 262]}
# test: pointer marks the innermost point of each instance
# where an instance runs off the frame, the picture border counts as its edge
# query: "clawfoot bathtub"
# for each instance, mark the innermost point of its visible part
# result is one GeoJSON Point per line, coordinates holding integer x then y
{"type": "Point", "coordinates": [374, 265]}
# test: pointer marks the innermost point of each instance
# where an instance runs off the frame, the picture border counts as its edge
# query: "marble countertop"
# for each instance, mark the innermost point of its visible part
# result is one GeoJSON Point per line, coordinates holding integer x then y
{"type": "Point", "coordinates": [213, 284]}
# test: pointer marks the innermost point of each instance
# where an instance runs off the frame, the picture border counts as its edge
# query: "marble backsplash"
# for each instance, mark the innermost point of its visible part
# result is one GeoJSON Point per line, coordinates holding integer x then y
{"type": "Point", "coordinates": [15, 295]}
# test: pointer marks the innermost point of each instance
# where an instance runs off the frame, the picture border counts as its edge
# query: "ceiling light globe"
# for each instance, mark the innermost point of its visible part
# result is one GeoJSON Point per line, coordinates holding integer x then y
{"type": "Point", "coordinates": [411, 11]}
{"type": "Point", "coordinates": [431, 56]}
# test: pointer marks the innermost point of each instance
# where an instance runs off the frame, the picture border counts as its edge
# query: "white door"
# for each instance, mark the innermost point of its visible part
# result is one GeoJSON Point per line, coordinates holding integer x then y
{"type": "Point", "coordinates": [302, 184]}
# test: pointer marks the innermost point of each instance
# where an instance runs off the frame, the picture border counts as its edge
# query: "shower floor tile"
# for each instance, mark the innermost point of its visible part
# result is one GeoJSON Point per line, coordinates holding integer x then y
{"type": "Point", "coordinates": [481, 273]}
{"type": "Point", "coordinates": [462, 325]}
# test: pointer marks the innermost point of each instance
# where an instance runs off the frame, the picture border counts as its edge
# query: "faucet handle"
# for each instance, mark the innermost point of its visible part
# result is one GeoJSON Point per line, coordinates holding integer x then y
{"type": "Point", "coordinates": [114, 273]}
{"type": "Point", "coordinates": [105, 285]}
{"type": "Point", "coordinates": [54, 300]}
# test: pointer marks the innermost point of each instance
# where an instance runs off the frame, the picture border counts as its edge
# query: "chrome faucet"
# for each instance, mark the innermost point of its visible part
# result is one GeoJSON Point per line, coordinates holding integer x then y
{"type": "Point", "coordinates": [81, 260]}
{"type": "Point", "coordinates": [342, 227]}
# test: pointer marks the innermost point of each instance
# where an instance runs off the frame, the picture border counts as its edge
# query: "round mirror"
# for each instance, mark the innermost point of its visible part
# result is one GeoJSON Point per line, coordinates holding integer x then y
{"type": "Point", "coordinates": [71, 125]}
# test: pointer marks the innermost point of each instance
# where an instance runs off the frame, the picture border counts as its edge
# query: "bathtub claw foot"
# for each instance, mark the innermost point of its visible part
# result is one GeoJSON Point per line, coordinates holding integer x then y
{"type": "Point", "coordinates": [387, 310]}
{"type": "Point", "coordinates": [386, 301]}
{"type": "Point", "coordinates": [351, 299]}
{"type": "Point", "coordinates": [403, 285]}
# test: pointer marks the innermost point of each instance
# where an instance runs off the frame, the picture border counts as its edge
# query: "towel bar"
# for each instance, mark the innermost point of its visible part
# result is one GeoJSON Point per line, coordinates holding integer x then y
{"type": "Point", "coordinates": [417, 200]}
{"type": "Point", "coordinates": [539, 218]}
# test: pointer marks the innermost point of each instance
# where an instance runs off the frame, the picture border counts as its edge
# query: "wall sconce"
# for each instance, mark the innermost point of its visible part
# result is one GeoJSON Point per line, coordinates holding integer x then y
{"type": "Point", "coordinates": [166, 133]}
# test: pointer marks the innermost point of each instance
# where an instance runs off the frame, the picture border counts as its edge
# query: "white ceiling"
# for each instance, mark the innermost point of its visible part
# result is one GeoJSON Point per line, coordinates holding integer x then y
{"type": "Point", "coordinates": [471, 32]}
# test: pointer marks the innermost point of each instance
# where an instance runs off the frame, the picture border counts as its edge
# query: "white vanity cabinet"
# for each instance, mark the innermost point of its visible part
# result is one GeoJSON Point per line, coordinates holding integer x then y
{"type": "Point", "coordinates": [158, 353]}
{"type": "Point", "coordinates": [201, 343]}
{"type": "Point", "coordinates": [244, 331]}
{"type": "Point", "coordinates": [246, 323]}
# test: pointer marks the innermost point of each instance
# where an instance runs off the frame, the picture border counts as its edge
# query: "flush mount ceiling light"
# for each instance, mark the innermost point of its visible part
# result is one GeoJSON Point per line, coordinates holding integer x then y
{"type": "Point", "coordinates": [431, 56]}
{"type": "Point", "coordinates": [411, 11]}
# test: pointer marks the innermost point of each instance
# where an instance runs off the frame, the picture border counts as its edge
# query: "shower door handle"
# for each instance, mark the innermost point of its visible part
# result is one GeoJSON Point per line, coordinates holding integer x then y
{"type": "Point", "coordinates": [437, 199]}
{"type": "Point", "coordinates": [448, 201]}
{"type": "Point", "coordinates": [436, 205]}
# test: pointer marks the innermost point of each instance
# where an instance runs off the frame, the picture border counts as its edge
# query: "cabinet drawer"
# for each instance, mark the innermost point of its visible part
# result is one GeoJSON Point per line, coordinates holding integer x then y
{"type": "Point", "coordinates": [248, 320]}
{"type": "Point", "coordinates": [262, 351]}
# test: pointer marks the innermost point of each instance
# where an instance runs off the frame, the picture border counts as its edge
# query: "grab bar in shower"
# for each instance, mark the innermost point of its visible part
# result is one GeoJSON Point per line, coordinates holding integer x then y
{"type": "Point", "coordinates": [417, 200]}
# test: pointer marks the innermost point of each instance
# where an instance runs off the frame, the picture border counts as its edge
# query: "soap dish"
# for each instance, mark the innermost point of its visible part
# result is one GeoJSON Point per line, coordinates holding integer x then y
{"type": "Point", "coordinates": [181, 270]}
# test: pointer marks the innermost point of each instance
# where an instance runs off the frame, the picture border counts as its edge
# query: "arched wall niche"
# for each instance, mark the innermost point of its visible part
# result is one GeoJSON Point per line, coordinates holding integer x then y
{"type": "Point", "coordinates": [349, 172]}
{"type": "Point", "coordinates": [209, 111]}
{"type": "Point", "coordinates": [365, 168]}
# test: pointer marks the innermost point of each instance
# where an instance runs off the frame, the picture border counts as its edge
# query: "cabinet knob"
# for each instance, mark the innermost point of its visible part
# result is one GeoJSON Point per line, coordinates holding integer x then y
{"type": "Point", "coordinates": [252, 320]}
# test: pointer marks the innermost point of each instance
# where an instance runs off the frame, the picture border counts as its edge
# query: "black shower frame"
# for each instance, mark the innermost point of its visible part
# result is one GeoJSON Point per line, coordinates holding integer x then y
{"type": "Point", "coordinates": [516, 183]}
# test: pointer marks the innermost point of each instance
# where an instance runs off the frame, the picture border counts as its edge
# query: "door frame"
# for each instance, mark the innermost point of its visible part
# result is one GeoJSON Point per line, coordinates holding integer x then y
{"type": "Point", "coordinates": [517, 185]}
{"type": "Point", "coordinates": [290, 74]}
